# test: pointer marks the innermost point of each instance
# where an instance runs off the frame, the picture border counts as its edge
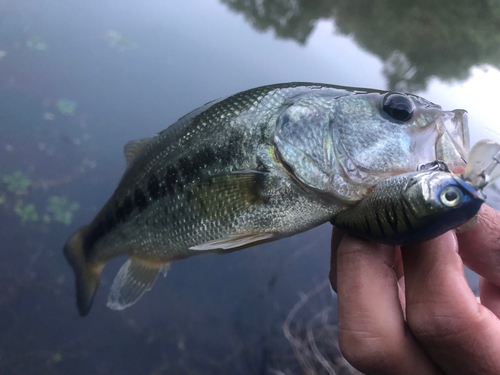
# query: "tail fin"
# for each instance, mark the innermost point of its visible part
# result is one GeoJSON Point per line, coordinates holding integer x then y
{"type": "Point", "coordinates": [88, 274]}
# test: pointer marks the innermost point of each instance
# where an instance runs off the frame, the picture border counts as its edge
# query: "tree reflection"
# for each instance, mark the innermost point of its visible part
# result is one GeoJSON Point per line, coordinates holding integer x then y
{"type": "Point", "coordinates": [415, 40]}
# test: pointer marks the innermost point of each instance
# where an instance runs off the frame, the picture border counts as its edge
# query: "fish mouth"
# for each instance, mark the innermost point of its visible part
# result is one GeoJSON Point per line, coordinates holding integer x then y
{"type": "Point", "coordinates": [453, 142]}
{"type": "Point", "coordinates": [445, 140]}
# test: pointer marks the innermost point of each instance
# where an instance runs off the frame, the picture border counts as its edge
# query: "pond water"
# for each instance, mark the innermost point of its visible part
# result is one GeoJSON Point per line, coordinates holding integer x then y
{"type": "Point", "coordinates": [79, 79]}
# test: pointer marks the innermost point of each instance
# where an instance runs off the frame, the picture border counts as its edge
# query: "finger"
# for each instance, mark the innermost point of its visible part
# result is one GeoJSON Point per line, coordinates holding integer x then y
{"type": "Point", "coordinates": [337, 236]}
{"type": "Point", "coordinates": [373, 335]}
{"type": "Point", "coordinates": [461, 336]}
{"type": "Point", "coordinates": [480, 247]}
{"type": "Point", "coordinates": [490, 296]}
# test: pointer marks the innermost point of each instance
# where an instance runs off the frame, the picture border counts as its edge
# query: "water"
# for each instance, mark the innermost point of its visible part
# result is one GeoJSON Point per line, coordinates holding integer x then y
{"type": "Point", "coordinates": [78, 79]}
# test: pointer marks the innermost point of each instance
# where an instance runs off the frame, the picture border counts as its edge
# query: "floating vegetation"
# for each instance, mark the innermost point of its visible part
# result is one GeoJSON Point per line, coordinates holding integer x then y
{"type": "Point", "coordinates": [66, 107]}
{"type": "Point", "coordinates": [48, 116]}
{"type": "Point", "coordinates": [116, 40]}
{"type": "Point", "coordinates": [58, 209]}
{"type": "Point", "coordinates": [62, 210]}
{"type": "Point", "coordinates": [57, 357]}
{"type": "Point", "coordinates": [17, 183]}
{"type": "Point", "coordinates": [36, 43]}
{"type": "Point", "coordinates": [2, 54]}
{"type": "Point", "coordinates": [27, 212]}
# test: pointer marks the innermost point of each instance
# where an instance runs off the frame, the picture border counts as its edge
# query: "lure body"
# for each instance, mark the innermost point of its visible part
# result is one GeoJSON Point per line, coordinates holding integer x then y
{"type": "Point", "coordinates": [412, 207]}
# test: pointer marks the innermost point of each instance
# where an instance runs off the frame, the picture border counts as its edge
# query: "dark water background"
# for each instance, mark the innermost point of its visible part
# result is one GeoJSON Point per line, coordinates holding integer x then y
{"type": "Point", "coordinates": [131, 68]}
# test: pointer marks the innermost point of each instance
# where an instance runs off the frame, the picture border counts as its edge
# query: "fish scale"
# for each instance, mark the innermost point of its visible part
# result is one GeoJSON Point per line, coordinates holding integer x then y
{"type": "Point", "coordinates": [257, 166]}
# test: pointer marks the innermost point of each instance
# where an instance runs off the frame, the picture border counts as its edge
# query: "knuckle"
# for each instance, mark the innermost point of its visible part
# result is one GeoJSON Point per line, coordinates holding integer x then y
{"type": "Point", "coordinates": [490, 219]}
{"type": "Point", "coordinates": [439, 325]}
{"type": "Point", "coordinates": [366, 351]}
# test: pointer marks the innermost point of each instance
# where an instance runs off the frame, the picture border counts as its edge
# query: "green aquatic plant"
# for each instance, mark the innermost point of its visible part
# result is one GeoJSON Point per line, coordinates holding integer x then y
{"type": "Point", "coordinates": [36, 43]}
{"type": "Point", "coordinates": [66, 107]}
{"type": "Point", "coordinates": [62, 210]}
{"type": "Point", "coordinates": [26, 212]}
{"type": "Point", "coordinates": [2, 199]}
{"type": "Point", "coordinates": [18, 183]}
{"type": "Point", "coordinates": [114, 39]}
{"type": "Point", "coordinates": [57, 357]}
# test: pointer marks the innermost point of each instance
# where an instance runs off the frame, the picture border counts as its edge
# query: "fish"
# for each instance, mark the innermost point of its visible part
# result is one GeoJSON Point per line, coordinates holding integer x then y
{"type": "Point", "coordinates": [412, 207]}
{"type": "Point", "coordinates": [257, 166]}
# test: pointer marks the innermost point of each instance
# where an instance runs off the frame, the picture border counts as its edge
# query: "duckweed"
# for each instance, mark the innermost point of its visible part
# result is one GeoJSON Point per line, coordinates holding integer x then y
{"type": "Point", "coordinates": [66, 106]}
{"type": "Point", "coordinates": [17, 183]}
{"type": "Point", "coordinates": [62, 209]}
{"type": "Point", "coordinates": [116, 40]}
{"type": "Point", "coordinates": [36, 43]}
{"type": "Point", "coordinates": [27, 213]}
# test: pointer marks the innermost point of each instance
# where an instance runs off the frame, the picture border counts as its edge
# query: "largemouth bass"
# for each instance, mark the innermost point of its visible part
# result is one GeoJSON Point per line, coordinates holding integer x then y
{"type": "Point", "coordinates": [255, 167]}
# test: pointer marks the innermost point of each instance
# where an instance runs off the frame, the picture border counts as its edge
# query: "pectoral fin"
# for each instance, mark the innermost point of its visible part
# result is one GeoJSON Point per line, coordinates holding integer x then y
{"type": "Point", "coordinates": [235, 241]}
{"type": "Point", "coordinates": [232, 192]}
{"type": "Point", "coordinates": [136, 277]}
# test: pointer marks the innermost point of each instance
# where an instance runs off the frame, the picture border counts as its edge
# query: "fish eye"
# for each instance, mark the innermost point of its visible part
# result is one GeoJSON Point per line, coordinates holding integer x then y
{"type": "Point", "coordinates": [398, 106]}
{"type": "Point", "coordinates": [451, 196]}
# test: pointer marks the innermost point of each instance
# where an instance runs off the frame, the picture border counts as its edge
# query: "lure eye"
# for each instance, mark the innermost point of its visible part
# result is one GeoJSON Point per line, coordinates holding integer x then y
{"type": "Point", "coordinates": [451, 196]}
{"type": "Point", "coordinates": [398, 106]}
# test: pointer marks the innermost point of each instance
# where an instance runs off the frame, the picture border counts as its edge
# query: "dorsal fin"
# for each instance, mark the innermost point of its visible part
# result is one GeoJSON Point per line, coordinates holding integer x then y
{"type": "Point", "coordinates": [133, 148]}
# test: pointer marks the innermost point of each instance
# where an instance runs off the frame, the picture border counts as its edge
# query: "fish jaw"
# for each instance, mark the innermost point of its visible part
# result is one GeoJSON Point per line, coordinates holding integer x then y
{"type": "Point", "coordinates": [445, 139]}
{"type": "Point", "coordinates": [453, 145]}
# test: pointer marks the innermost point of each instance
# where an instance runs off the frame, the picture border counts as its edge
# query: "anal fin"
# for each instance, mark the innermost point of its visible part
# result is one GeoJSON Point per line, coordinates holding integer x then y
{"type": "Point", "coordinates": [135, 277]}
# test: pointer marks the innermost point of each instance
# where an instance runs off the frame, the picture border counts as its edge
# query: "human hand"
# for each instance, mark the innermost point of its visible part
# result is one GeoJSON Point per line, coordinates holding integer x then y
{"type": "Point", "coordinates": [411, 311]}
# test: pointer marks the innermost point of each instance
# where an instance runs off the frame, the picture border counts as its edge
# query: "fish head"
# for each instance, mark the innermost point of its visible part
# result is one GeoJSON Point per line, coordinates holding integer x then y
{"type": "Point", "coordinates": [345, 144]}
{"type": "Point", "coordinates": [383, 134]}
